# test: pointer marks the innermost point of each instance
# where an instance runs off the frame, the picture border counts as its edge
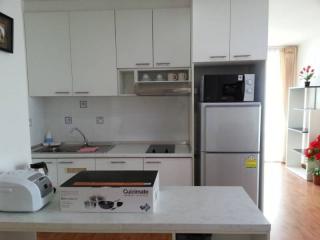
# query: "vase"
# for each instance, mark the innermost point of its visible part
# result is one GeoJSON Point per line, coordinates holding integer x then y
{"type": "Point", "coordinates": [316, 180]}
{"type": "Point", "coordinates": [307, 84]}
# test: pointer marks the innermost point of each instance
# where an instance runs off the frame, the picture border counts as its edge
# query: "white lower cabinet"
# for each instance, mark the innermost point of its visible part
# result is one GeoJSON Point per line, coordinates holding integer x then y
{"type": "Point", "coordinates": [172, 171]}
{"type": "Point", "coordinates": [67, 168]}
{"type": "Point", "coordinates": [52, 169]}
{"type": "Point", "coordinates": [119, 164]}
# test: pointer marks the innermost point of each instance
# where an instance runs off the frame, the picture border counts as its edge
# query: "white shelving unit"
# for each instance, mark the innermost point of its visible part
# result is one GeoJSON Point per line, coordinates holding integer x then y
{"type": "Point", "coordinates": [303, 127]}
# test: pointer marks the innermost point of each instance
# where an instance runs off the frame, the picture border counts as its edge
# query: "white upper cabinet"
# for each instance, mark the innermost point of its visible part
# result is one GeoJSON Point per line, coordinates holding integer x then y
{"type": "Point", "coordinates": [48, 54]}
{"type": "Point", "coordinates": [211, 30]}
{"type": "Point", "coordinates": [171, 37]}
{"type": "Point", "coordinates": [235, 30]}
{"type": "Point", "coordinates": [249, 30]}
{"type": "Point", "coordinates": [134, 38]}
{"type": "Point", "coordinates": [93, 52]}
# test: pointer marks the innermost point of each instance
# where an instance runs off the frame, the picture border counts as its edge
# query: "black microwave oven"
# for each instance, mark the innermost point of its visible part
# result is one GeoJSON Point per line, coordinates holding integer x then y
{"type": "Point", "coordinates": [227, 88]}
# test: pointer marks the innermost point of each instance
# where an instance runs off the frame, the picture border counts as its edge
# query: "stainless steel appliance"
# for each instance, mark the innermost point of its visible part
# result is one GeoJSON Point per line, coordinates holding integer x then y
{"type": "Point", "coordinates": [227, 88]}
{"type": "Point", "coordinates": [230, 145]}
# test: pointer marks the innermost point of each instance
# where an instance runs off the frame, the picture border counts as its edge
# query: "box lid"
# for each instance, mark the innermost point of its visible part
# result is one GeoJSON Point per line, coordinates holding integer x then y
{"type": "Point", "coordinates": [112, 179]}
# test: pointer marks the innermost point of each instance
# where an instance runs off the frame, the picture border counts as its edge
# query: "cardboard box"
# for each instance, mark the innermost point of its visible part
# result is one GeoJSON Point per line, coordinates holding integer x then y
{"type": "Point", "coordinates": [110, 191]}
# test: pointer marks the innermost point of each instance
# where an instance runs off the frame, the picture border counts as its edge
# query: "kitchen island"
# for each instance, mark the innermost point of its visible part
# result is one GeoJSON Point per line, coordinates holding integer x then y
{"type": "Point", "coordinates": [225, 212]}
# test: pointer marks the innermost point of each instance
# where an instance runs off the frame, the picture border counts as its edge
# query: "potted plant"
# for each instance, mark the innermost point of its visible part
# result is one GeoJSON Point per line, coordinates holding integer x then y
{"type": "Point", "coordinates": [312, 153]}
{"type": "Point", "coordinates": [316, 176]}
{"type": "Point", "coordinates": [306, 74]}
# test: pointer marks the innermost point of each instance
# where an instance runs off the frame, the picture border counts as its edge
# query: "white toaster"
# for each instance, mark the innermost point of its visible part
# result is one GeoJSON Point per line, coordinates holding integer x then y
{"type": "Point", "coordinates": [24, 191]}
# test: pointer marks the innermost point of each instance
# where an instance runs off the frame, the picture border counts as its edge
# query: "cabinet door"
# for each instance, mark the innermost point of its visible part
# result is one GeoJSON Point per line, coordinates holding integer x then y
{"type": "Point", "coordinates": [249, 30]}
{"type": "Point", "coordinates": [52, 169]}
{"type": "Point", "coordinates": [93, 52]}
{"type": "Point", "coordinates": [67, 168]}
{"type": "Point", "coordinates": [119, 164]}
{"type": "Point", "coordinates": [171, 37]}
{"type": "Point", "coordinates": [134, 38]}
{"type": "Point", "coordinates": [172, 171]}
{"type": "Point", "coordinates": [48, 54]}
{"type": "Point", "coordinates": [211, 30]}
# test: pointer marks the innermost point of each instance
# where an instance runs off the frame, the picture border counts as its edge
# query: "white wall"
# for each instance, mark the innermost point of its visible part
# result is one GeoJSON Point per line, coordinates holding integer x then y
{"type": "Point", "coordinates": [125, 118]}
{"type": "Point", "coordinates": [15, 137]}
{"type": "Point", "coordinates": [309, 54]}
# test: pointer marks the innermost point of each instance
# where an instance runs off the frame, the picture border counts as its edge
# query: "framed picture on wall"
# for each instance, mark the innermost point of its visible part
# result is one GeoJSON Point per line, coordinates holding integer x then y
{"type": "Point", "coordinates": [6, 33]}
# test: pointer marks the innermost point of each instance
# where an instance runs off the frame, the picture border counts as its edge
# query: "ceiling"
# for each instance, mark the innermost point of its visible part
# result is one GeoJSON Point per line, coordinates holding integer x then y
{"type": "Point", "coordinates": [293, 21]}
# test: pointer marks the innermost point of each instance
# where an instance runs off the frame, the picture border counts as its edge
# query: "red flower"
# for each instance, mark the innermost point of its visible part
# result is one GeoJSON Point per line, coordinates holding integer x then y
{"type": "Point", "coordinates": [315, 144]}
{"type": "Point", "coordinates": [301, 72]}
{"type": "Point", "coordinates": [318, 138]}
{"type": "Point", "coordinates": [308, 152]}
{"type": "Point", "coordinates": [317, 156]}
{"type": "Point", "coordinates": [312, 70]}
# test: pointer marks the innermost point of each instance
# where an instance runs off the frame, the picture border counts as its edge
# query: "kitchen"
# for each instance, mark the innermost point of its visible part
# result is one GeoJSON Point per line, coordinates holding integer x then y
{"type": "Point", "coordinates": [141, 108]}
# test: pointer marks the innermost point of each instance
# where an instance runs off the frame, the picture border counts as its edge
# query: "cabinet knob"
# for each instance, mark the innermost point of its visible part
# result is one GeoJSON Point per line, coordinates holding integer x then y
{"type": "Point", "coordinates": [243, 56]}
{"type": "Point", "coordinates": [62, 92]}
{"type": "Point", "coordinates": [142, 64]}
{"type": "Point", "coordinates": [213, 57]}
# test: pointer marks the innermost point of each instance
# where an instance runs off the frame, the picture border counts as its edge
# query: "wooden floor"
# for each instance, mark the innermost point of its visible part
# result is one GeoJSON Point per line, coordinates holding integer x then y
{"type": "Point", "coordinates": [291, 204]}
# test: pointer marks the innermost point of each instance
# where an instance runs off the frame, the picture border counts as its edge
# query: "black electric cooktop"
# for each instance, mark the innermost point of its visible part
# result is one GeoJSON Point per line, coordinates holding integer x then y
{"type": "Point", "coordinates": [161, 148]}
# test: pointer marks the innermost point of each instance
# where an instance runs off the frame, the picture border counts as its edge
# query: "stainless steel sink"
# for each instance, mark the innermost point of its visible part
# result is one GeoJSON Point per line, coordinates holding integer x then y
{"type": "Point", "coordinates": [73, 148]}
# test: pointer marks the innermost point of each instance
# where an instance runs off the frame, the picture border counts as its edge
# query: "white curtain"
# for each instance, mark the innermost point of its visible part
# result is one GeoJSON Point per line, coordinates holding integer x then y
{"type": "Point", "coordinates": [274, 112]}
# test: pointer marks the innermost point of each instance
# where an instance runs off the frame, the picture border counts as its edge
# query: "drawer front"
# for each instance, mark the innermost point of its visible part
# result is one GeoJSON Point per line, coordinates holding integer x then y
{"type": "Point", "coordinates": [52, 169]}
{"type": "Point", "coordinates": [116, 164]}
{"type": "Point", "coordinates": [172, 171]}
{"type": "Point", "coordinates": [67, 168]}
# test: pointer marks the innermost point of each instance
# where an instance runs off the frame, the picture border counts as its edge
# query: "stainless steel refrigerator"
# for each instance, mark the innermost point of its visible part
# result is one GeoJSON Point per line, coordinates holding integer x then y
{"type": "Point", "coordinates": [230, 145]}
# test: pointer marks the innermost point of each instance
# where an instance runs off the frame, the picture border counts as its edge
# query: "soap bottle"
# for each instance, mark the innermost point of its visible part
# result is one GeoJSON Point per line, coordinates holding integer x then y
{"type": "Point", "coordinates": [48, 139]}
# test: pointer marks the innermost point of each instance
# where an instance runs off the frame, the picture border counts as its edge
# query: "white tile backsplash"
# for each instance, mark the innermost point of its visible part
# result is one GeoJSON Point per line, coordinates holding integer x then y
{"type": "Point", "coordinates": [125, 118]}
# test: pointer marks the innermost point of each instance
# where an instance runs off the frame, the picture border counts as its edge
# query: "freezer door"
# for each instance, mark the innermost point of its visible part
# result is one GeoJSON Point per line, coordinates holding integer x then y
{"type": "Point", "coordinates": [232, 170]}
{"type": "Point", "coordinates": [230, 127]}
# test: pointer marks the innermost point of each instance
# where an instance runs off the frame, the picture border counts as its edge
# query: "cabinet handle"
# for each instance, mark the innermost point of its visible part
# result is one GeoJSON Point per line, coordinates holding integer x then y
{"type": "Point", "coordinates": [142, 64]}
{"type": "Point", "coordinates": [153, 162]}
{"type": "Point", "coordinates": [118, 162]}
{"type": "Point", "coordinates": [66, 162]}
{"type": "Point", "coordinates": [244, 55]}
{"type": "Point", "coordinates": [86, 92]}
{"type": "Point", "coordinates": [62, 92]}
{"type": "Point", "coordinates": [163, 63]}
{"type": "Point", "coordinates": [218, 56]}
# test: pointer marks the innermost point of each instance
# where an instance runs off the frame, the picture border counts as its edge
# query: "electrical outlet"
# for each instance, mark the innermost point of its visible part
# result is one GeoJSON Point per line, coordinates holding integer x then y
{"type": "Point", "coordinates": [68, 120]}
{"type": "Point", "coordinates": [83, 104]}
{"type": "Point", "coordinates": [100, 120]}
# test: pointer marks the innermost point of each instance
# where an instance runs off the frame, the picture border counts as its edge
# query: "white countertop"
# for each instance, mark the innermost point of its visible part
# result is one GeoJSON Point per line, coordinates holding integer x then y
{"type": "Point", "coordinates": [221, 210]}
{"type": "Point", "coordinates": [130, 150]}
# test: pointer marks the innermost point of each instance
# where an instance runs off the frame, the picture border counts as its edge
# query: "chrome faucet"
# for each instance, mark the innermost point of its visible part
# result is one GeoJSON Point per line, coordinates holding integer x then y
{"type": "Point", "coordinates": [85, 140]}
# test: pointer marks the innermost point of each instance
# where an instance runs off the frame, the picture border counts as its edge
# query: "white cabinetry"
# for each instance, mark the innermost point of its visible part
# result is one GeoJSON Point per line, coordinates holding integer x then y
{"type": "Point", "coordinates": [124, 164]}
{"type": "Point", "coordinates": [211, 30]}
{"type": "Point", "coordinates": [48, 54]}
{"type": "Point", "coordinates": [249, 30]}
{"type": "Point", "coordinates": [234, 30]}
{"type": "Point", "coordinates": [69, 167]}
{"type": "Point", "coordinates": [71, 53]}
{"type": "Point", "coordinates": [93, 53]}
{"type": "Point", "coordinates": [134, 38]}
{"type": "Point", "coordinates": [52, 169]}
{"type": "Point", "coordinates": [172, 171]}
{"type": "Point", "coordinates": [171, 37]}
